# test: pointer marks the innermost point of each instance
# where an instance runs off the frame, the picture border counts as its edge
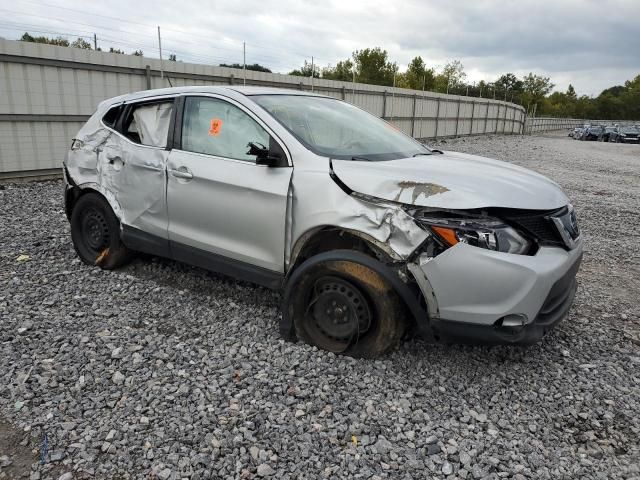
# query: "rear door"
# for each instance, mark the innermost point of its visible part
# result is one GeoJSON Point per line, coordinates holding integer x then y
{"type": "Point", "coordinates": [222, 204]}
{"type": "Point", "coordinates": [140, 156]}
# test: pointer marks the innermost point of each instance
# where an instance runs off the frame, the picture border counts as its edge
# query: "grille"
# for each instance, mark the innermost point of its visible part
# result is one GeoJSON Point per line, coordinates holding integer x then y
{"type": "Point", "coordinates": [534, 223]}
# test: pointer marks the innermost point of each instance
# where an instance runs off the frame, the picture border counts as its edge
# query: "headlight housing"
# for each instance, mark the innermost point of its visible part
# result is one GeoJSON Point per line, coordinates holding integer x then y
{"type": "Point", "coordinates": [488, 233]}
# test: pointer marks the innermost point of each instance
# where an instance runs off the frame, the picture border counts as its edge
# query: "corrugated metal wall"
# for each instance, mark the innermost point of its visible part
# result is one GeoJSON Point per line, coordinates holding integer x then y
{"type": "Point", "coordinates": [47, 92]}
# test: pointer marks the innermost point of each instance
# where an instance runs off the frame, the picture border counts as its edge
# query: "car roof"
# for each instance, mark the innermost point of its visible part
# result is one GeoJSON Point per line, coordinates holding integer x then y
{"type": "Point", "coordinates": [231, 89]}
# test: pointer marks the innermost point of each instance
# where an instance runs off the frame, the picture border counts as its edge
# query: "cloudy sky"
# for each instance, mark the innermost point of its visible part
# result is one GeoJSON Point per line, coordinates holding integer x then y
{"type": "Point", "coordinates": [592, 44]}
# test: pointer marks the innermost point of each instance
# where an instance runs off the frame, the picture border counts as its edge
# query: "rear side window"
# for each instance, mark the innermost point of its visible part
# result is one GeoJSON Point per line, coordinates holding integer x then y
{"type": "Point", "coordinates": [216, 127]}
{"type": "Point", "coordinates": [148, 123]}
{"type": "Point", "coordinates": [111, 117]}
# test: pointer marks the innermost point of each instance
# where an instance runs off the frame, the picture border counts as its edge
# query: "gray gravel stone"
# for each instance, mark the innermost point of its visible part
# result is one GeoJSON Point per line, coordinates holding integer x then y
{"type": "Point", "coordinates": [199, 356]}
{"type": "Point", "coordinates": [264, 470]}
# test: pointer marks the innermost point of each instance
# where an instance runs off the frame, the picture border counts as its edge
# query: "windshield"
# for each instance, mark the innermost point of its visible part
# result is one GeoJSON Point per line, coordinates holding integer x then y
{"type": "Point", "coordinates": [628, 130]}
{"type": "Point", "coordinates": [336, 129]}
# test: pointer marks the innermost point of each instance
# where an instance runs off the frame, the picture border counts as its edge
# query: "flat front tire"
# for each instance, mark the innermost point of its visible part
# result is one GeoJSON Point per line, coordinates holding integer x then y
{"type": "Point", "coordinates": [346, 308]}
{"type": "Point", "coordinates": [95, 232]}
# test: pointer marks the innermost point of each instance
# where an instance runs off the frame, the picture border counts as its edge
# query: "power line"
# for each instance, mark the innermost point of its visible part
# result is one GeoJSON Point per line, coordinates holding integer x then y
{"type": "Point", "coordinates": [165, 29]}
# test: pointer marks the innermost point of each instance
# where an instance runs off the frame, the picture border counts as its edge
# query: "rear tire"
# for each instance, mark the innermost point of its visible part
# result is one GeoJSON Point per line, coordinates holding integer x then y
{"type": "Point", "coordinates": [95, 232]}
{"type": "Point", "coordinates": [346, 308]}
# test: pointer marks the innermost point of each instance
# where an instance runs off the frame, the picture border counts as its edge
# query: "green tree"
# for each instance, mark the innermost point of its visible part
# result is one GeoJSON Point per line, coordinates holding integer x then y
{"type": "Point", "coordinates": [81, 43]}
{"type": "Point", "coordinates": [343, 71]}
{"type": "Point", "coordinates": [418, 76]}
{"type": "Point", "coordinates": [452, 78]}
{"type": "Point", "coordinates": [172, 57]}
{"type": "Point", "coordinates": [535, 88]}
{"type": "Point", "coordinates": [138, 53]}
{"type": "Point", "coordinates": [61, 42]}
{"type": "Point", "coordinates": [373, 66]}
{"type": "Point", "coordinates": [255, 67]}
{"type": "Point", "coordinates": [115, 50]}
{"type": "Point", "coordinates": [305, 70]}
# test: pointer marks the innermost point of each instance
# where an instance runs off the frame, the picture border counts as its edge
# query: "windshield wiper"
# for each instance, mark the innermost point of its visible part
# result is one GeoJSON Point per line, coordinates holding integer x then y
{"type": "Point", "coordinates": [430, 152]}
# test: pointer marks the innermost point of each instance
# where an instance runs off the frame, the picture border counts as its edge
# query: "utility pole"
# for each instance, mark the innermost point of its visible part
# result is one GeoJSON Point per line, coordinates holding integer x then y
{"type": "Point", "coordinates": [312, 72]}
{"type": "Point", "coordinates": [244, 63]}
{"type": "Point", "coordinates": [160, 48]}
{"type": "Point", "coordinates": [95, 42]}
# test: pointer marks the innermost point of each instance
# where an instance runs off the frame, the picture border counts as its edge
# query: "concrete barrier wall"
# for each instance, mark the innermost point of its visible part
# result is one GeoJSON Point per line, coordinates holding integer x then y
{"type": "Point", "coordinates": [47, 92]}
{"type": "Point", "coordinates": [549, 124]}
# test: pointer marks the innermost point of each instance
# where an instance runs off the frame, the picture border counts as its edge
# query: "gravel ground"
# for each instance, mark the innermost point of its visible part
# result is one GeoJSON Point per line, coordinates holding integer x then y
{"type": "Point", "coordinates": [160, 370]}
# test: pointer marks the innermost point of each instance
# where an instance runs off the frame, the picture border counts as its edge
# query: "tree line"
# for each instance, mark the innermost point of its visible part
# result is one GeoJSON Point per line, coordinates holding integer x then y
{"type": "Point", "coordinates": [373, 66]}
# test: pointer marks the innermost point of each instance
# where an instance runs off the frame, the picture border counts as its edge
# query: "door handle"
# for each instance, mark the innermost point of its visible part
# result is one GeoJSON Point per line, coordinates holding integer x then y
{"type": "Point", "coordinates": [182, 172]}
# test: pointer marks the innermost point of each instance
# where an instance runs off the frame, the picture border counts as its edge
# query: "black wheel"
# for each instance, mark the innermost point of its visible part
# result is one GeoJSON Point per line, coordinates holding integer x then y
{"type": "Point", "coordinates": [345, 308]}
{"type": "Point", "coordinates": [95, 232]}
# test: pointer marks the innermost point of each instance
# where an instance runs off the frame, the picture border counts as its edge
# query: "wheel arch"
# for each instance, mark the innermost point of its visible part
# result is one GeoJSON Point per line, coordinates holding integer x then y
{"type": "Point", "coordinates": [73, 194]}
{"type": "Point", "coordinates": [412, 301]}
{"type": "Point", "coordinates": [325, 238]}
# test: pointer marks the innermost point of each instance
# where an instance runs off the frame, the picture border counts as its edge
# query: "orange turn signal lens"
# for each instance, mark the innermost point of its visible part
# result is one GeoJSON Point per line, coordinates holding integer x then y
{"type": "Point", "coordinates": [448, 235]}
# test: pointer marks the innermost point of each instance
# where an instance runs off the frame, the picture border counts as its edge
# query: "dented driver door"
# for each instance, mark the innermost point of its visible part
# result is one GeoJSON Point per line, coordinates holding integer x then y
{"type": "Point", "coordinates": [223, 206]}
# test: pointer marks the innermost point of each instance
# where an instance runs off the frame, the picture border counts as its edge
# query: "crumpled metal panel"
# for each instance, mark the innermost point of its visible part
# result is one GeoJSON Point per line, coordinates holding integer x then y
{"type": "Point", "coordinates": [325, 204]}
{"type": "Point", "coordinates": [131, 177]}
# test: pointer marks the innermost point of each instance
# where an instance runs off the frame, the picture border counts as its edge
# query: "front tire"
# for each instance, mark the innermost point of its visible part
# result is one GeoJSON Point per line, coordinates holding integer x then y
{"type": "Point", "coordinates": [346, 308]}
{"type": "Point", "coordinates": [95, 232]}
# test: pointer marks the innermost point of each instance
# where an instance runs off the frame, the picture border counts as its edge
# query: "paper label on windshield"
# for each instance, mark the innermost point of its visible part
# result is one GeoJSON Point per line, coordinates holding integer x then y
{"type": "Point", "coordinates": [215, 127]}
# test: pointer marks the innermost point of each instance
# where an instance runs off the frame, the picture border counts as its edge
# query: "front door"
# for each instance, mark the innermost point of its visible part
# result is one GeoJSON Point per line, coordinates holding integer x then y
{"type": "Point", "coordinates": [221, 203]}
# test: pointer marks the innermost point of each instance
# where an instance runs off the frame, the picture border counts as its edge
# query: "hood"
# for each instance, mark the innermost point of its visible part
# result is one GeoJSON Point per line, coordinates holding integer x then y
{"type": "Point", "coordinates": [452, 181]}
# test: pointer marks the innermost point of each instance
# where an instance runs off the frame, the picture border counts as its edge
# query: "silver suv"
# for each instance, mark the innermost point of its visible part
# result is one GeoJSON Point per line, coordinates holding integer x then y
{"type": "Point", "coordinates": [368, 232]}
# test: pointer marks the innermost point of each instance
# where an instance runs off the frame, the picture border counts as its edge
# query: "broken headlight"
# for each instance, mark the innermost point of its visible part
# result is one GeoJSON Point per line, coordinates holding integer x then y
{"type": "Point", "coordinates": [489, 233]}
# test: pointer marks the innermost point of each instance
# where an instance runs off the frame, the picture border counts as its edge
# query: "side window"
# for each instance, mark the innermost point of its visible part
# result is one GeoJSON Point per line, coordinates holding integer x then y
{"type": "Point", "coordinates": [111, 117]}
{"type": "Point", "coordinates": [216, 127]}
{"type": "Point", "coordinates": [148, 123]}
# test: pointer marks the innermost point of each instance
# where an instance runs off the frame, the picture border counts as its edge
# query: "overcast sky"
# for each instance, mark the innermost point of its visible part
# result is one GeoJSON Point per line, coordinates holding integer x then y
{"type": "Point", "coordinates": [592, 44]}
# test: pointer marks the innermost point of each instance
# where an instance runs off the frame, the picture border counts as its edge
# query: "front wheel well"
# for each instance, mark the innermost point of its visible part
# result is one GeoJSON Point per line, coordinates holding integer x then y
{"type": "Point", "coordinates": [332, 238]}
{"type": "Point", "coordinates": [73, 194]}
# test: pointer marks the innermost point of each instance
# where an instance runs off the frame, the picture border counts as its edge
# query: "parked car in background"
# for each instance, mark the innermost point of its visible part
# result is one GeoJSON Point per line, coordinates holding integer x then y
{"type": "Point", "coordinates": [574, 132]}
{"type": "Point", "coordinates": [367, 231]}
{"type": "Point", "coordinates": [606, 132]}
{"type": "Point", "coordinates": [577, 133]}
{"type": "Point", "coordinates": [627, 134]}
{"type": "Point", "coordinates": [592, 133]}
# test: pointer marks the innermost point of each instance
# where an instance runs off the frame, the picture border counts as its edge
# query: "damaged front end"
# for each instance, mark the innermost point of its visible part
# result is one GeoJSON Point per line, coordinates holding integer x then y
{"type": "Point", "coordinates": [482, 275]}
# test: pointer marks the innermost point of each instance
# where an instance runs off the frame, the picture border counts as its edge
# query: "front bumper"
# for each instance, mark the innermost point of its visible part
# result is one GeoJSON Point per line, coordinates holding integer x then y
{"type": "Point", "coordinates": [480, 296]}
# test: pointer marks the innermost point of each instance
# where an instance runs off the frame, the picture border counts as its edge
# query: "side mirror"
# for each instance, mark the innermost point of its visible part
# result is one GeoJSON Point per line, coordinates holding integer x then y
{"type": "Point", "coordinates": [263, 155]}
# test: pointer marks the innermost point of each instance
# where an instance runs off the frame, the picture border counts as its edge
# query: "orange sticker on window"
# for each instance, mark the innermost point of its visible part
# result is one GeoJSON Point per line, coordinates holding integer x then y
{"type": "Point", "coordinates": [214, 128]}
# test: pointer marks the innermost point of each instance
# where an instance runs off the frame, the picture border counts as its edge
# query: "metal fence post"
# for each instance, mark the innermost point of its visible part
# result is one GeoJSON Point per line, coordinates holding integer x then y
{"type": "Point", "coordinates": [344, 93]}
{"type": "Point", "coordinates": [437, 117]}
{"type": "Point", "coordinates": [384, 104]}
{"type": "Point", "coordinates": [473, 111]}
{"type": "Point", "coordinates": [504, 120]}
{"type": "Point", "coordinates": [413, 118]}
{"type": "Point", "coordinates": [458, 117]}
{"type": "Point", "coordinates": [148, 75]}
{"type": "Point", "coordinates": [495, 130]}
{"type": "Point", "coordinates": [486, 117]}
{"type": "Point", "coordinates": [231, 79]}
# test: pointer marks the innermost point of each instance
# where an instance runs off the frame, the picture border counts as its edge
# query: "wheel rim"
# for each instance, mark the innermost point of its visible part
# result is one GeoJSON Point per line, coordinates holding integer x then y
{"type": "Point", "coordinates": [337, 314]}
{"type": "Point", "coordinates": [95, 230]}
